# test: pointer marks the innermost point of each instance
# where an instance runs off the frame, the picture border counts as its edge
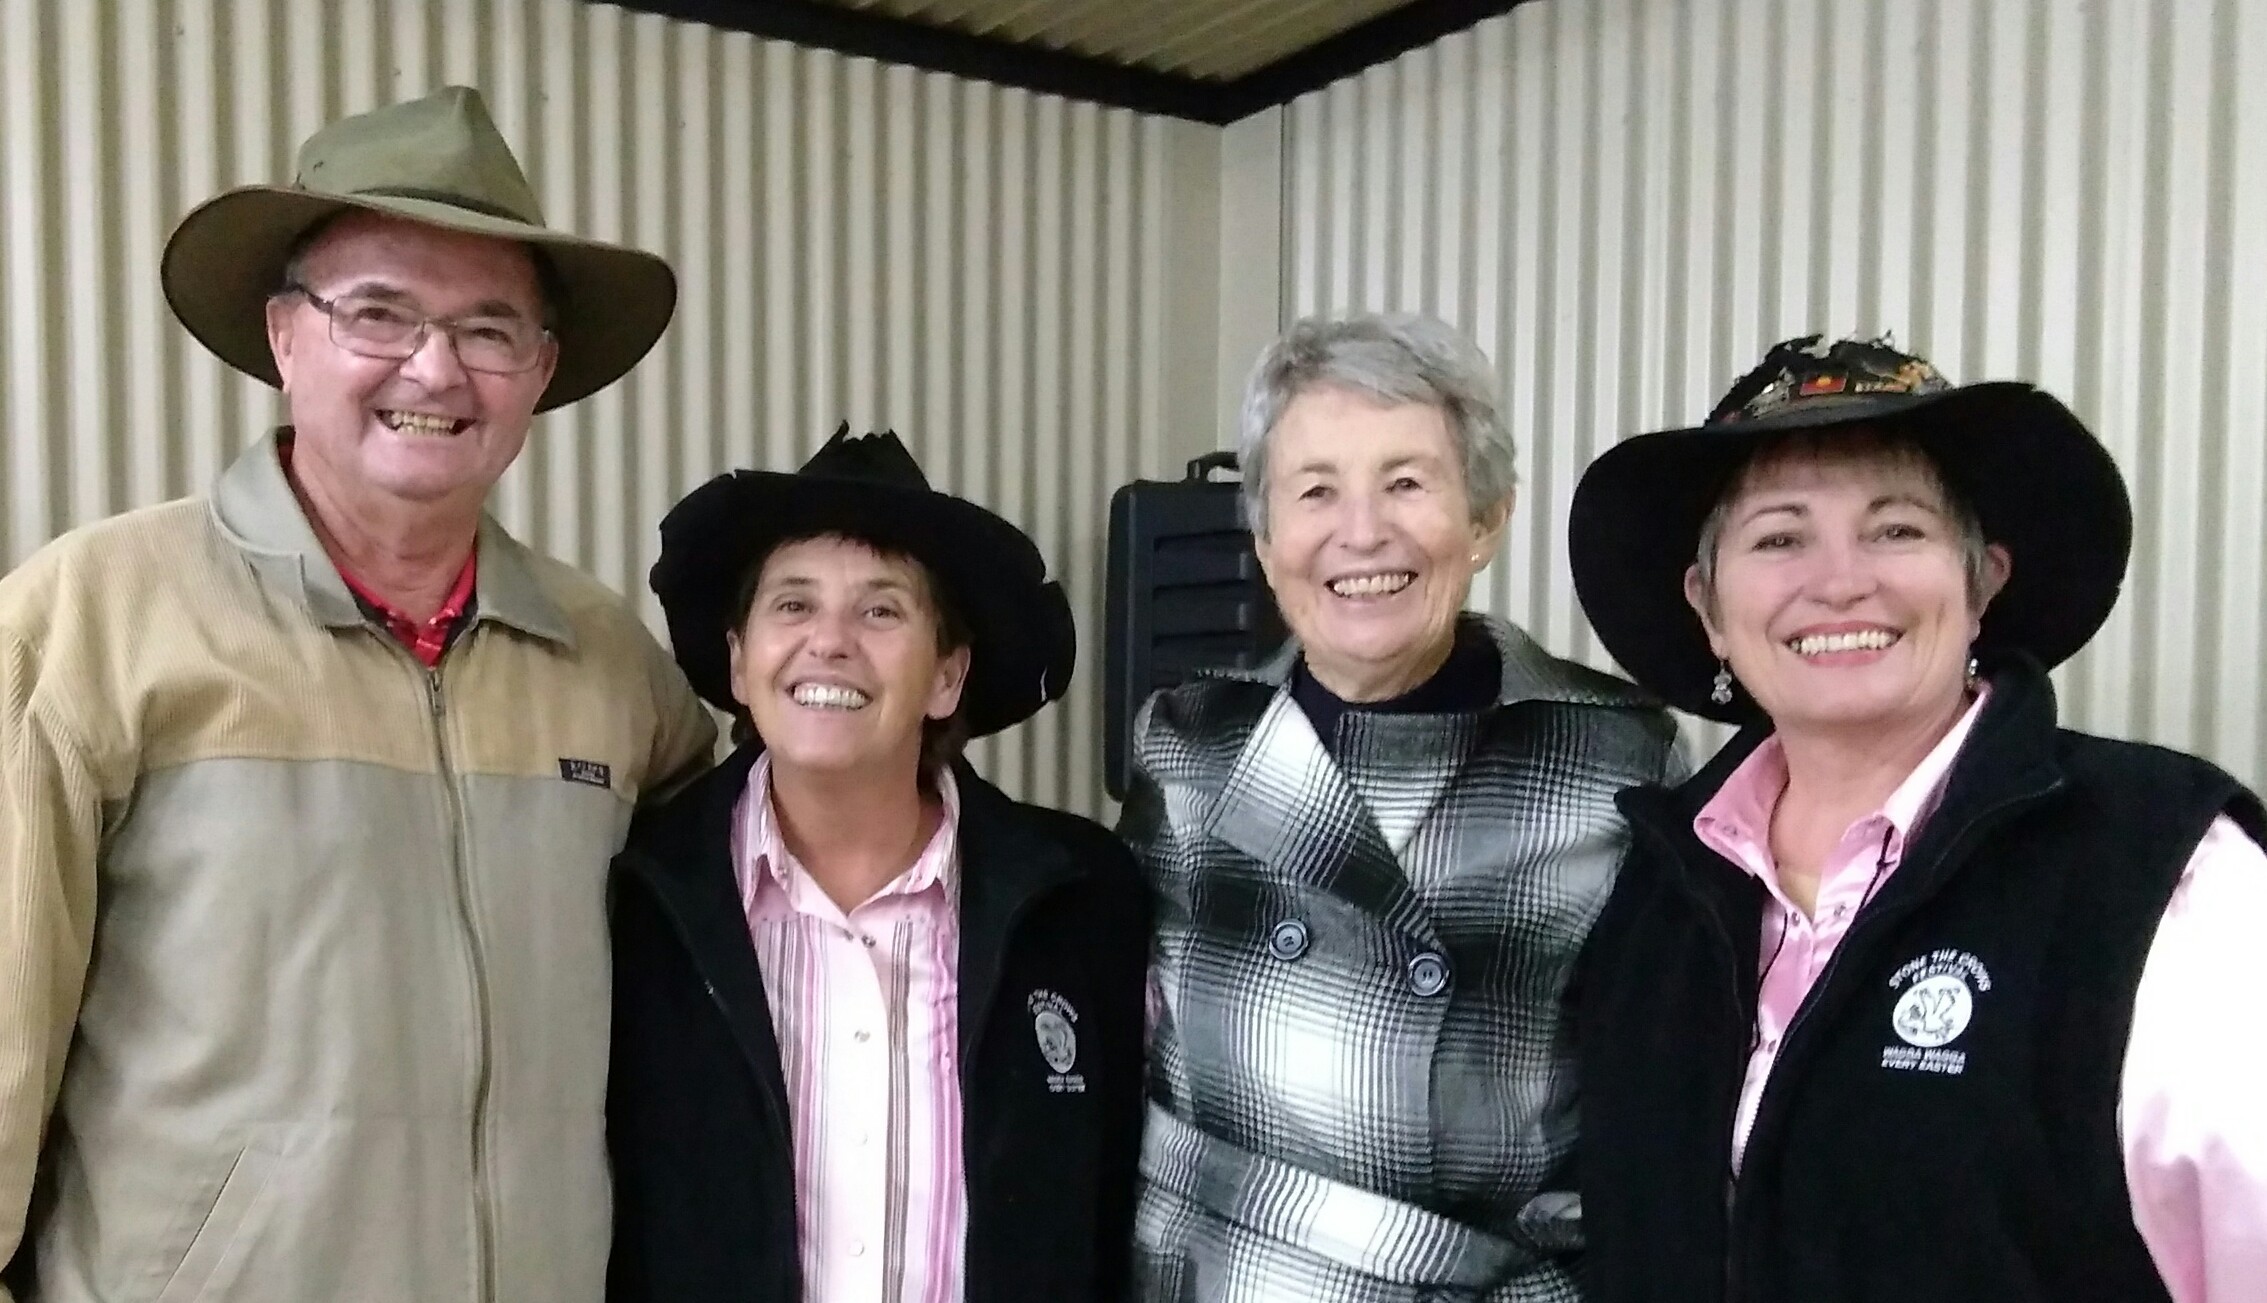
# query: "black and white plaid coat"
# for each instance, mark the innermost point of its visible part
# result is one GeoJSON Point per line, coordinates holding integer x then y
{"type": "Point", "coordinates": [1361, 1079]}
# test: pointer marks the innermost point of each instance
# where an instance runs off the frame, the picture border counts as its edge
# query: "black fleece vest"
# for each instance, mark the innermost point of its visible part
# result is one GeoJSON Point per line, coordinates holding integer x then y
{"type": "Point", "coordinates": [1941, 1124]}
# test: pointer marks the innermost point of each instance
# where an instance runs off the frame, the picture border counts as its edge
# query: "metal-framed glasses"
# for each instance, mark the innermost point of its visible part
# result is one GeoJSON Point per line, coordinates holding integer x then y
{"type": "Point", "coordinates": [383, 328]}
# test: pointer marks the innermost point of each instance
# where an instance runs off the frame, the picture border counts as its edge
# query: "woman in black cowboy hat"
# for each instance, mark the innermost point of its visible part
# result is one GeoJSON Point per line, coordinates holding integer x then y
{"type": "Point", "coordinates": [877, 1027]}
{"type": "Point", "coordinates": [1910, 993]}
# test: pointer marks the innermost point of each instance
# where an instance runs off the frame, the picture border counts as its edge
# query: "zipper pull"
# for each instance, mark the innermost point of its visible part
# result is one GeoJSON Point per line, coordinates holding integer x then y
{"type": "Point", "coordinates": [433, 690]}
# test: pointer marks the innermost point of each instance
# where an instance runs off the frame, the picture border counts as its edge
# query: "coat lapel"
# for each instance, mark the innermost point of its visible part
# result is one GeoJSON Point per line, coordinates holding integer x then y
{"type": "Point", "coordinates": [1286, 804]}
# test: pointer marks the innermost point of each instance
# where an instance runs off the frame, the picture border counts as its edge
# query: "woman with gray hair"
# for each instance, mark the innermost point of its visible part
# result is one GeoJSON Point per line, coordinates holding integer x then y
{"type": "Point", "coordinates": [1375, 859]}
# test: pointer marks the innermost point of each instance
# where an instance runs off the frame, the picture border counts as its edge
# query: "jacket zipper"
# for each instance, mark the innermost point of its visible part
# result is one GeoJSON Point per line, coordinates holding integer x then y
{"type": "Point", "coordinates": [1740, 1015]}
{"type": "Point", "coordinates": [483, 1211]}
{"type": "Point", "coordinates": [775, 1111]}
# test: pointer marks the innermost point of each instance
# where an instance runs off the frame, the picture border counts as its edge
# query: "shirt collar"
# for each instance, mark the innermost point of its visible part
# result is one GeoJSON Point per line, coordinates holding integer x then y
{"type": "Point", "coordinates": [256, 510]}
{"type": "Point", "coordinates": [771, 878]}
{"type": "Point", "coordinates": [1736, 821]}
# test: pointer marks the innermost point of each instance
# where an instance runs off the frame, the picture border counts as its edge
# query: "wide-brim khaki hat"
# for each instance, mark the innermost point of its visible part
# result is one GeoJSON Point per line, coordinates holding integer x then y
{"type": "Point", "coordinates": [438, 160]}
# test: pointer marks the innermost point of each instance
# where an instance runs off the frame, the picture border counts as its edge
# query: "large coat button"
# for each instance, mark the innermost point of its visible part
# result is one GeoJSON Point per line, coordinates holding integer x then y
{"type": "Point", "coordinates": [1428, 974]}
{"type": "Point", "coordinates": [1289, 940]}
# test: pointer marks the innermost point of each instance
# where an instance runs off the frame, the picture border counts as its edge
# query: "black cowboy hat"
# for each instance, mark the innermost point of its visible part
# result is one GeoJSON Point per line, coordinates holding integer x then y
{"type": "Point", "coordinates": [1022, 642]}
{"type": "Point", "coordinates": [2041, 485]}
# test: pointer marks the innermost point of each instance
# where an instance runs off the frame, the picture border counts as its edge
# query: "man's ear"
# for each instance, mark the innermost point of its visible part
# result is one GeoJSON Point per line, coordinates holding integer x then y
{"type": "Point", "coordinates": [283, 341]}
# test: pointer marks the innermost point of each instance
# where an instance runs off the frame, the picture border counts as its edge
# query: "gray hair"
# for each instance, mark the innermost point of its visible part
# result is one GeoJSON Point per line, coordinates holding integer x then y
{"type": "Point", "coordinates": [1857, 446]}
{"type": "Point", "coordinates": [1394, 359]}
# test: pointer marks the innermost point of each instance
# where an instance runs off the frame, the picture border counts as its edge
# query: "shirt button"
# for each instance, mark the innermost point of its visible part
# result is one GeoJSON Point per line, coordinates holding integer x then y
{"type": "Point", "coordinates": [1428, 974]}
{"type": "Point", "coordinates": [869, 940]}
{"type": "Point", "coordinates": [1289, 940]}
{"type": "Point", "coordinates": [861, 1036]}
{"type": "Point", "coordinates": [857, 1248]}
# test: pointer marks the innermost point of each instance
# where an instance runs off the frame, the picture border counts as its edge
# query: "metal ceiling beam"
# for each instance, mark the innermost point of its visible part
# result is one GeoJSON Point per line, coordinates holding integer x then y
{"type": "Point", "coordinates": [897, 40]}
{"type": "Point", "coordinates": [875, 35]}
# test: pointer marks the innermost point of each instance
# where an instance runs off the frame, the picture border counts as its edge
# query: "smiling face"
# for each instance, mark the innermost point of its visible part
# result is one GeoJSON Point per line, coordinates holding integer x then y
{"type": "Point", "coordinates": [1842, 595]}
{"type": "Point", "coordinates": [839, 660]}
{"type": "Point", "coordinates": [421, 430]}
{"type": "Point", "coordinates": [1371, 543]}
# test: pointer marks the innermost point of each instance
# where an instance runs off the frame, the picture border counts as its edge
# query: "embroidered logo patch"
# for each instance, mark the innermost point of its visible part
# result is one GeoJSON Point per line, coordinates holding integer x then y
{"type": "Point", "coordinates": [1055, 1024]}
{"type": "Point", "coordinates": [1939, 1001]}
{"type": "Point", "coordinates": [592, 772]}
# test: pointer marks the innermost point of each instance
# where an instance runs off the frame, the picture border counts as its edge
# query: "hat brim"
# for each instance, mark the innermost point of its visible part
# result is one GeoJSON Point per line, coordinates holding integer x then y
{"type": "Point", "coordinates": [2041, 485]}
{"type": "Point", "coordinates": [1023, 645]}
{"type": "Point", "coordinates": [227, 257]}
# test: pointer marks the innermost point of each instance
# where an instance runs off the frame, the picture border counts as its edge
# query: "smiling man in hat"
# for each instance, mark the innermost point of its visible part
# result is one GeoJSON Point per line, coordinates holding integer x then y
{"type": "Point", "coordinates": [310, 785]}
{"type": "Point", "coordinates": [878, 1026]}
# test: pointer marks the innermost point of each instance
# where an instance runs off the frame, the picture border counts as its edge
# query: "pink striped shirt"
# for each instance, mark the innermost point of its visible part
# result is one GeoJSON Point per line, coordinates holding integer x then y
{"type": "Point", "coordinates": [2190, 1114]}
{"type": "Point", "coordinates": [865, 1006]}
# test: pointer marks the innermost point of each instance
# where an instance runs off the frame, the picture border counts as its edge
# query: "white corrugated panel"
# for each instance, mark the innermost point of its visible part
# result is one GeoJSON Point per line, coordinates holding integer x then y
{"type": "Point", "coordinates": [985, 270]}
{"type": "Point", "coordinates": [1626, 201]}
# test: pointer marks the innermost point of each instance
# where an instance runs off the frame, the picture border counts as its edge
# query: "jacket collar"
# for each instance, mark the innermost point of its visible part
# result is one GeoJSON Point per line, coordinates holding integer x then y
{"type": "Point", "coordinates": [2009, 758]}
{"type": "Point", "coordinates": [2008, 764]}
{"type": "Point", "coordinates": [1287, 802]}
{"type": "Point", "coordinates": [684, 854]}
{"type": "Point", "coordinates": [256, 511]}
{"type": "Point", "coordinates": [1529, 672]}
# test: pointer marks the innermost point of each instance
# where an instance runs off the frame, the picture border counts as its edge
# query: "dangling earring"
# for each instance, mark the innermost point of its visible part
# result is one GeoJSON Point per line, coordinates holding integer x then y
{"type": "Point", "coordinates": [1721, 691]}
{"type": "Point", "coordinates": [1973, 668]}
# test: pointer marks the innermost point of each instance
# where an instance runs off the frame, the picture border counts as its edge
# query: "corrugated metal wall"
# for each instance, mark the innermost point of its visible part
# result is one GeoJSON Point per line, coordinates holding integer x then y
{"type": "Point", "coordinates": [991, 272]}
{"type": "Point", "coordinates": [1626, 200]}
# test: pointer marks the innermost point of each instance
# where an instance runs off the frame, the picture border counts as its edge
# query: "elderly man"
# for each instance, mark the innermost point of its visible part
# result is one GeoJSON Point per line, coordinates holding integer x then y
{"type": "Point", "coordinates": [309, 787]}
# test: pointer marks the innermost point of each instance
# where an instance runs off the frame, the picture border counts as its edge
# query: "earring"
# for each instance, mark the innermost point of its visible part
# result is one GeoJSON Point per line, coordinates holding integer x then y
{"type": "Point", "coordinates": [1973, 670]}
{"type": "Point", "coordinates": [1721, 691]}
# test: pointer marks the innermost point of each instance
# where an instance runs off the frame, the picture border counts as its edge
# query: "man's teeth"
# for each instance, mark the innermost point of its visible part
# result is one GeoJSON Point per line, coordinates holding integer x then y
{"type": "Point", "coordinates": [829, 696]}
{"type": "Point", "coordinates": [1820, 644]}
{"type": "Point", "coordinates": [419, 422]}
{"type": "Point", "coordinates": [1373, 585]}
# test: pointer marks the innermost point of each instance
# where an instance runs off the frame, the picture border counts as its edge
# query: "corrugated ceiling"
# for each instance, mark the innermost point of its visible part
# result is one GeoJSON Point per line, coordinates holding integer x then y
{"type": "Point", "coordinates": [1212, 40]}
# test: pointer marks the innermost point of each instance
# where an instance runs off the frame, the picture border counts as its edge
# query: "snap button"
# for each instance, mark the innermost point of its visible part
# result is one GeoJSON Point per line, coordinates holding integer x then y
{"type": "Point", "coordinates": [1428, 974]}
{"type": "Point", "coordinates": [1289, 940]}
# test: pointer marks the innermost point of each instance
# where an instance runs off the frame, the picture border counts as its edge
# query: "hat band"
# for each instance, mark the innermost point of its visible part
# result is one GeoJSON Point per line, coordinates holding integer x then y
{"type": "Point", "coordinates": [450, 198]}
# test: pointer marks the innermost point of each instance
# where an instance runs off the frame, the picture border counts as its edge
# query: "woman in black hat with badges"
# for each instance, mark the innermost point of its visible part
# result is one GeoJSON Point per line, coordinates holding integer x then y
{"type": "Point", "coordinates": [1909, 994]}
{"type": "Point", "coordinates": [877, 1026]}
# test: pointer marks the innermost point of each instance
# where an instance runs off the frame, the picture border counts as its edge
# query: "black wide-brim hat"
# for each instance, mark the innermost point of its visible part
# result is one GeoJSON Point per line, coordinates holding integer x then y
{"type": "Point", "coordinates": [2039, 482]}
{"type": "Point", "coordinates": [1022, 643]}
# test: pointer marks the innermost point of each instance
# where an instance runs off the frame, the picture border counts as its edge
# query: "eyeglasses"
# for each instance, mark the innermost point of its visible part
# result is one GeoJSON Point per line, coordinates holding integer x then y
{"type": "Point", "coordinates": [381, 328]}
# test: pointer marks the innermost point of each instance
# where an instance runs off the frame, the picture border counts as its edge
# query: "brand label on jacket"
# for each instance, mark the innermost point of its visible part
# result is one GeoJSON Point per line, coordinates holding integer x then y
{"type": "Point", "coordinates": [1055, 1023]}
{"type": "Point", "coordinates": [1940, 990]}
{"type": "Point", "coordinates": [593, 772]}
